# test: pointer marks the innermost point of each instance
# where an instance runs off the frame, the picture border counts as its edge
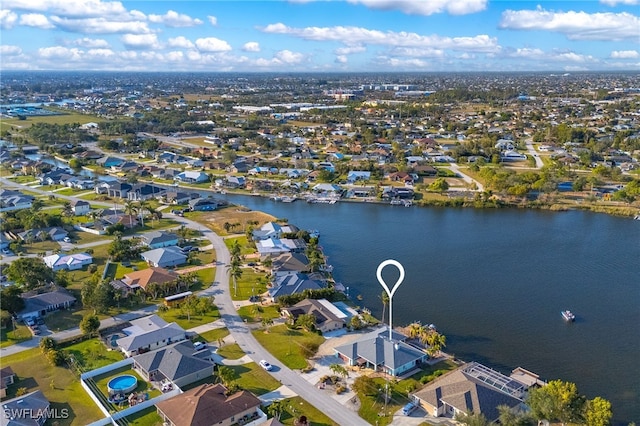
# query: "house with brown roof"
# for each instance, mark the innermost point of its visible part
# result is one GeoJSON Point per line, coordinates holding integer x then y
{"type": "Point", "coordinates": [141, 279]}
{"type": "Point", "coordinates": [471, 388]}
{"type": "Point", "coordinates": [208, 405]}
{"type": "Point", "coordinates": [327, 316]}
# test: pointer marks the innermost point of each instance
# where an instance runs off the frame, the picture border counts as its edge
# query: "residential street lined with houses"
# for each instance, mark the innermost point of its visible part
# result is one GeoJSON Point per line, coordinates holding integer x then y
{"type": "Point", "coordinates": [239, 330]}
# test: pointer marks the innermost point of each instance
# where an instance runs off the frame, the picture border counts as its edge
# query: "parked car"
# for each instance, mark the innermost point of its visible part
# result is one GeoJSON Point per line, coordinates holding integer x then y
{"type": "Point", "coordinates": [198, 346]}
{"type": "Point", "coordinates": [66, 239]}
{"type": "Point", "coordinates": [409, 408]}
{"type": "Point", "coordinates": [264, 364]}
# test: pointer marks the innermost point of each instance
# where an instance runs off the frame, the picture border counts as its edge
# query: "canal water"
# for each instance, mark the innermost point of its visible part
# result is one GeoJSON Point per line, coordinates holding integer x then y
{"type": "Point", "coordinates": [495, 281]}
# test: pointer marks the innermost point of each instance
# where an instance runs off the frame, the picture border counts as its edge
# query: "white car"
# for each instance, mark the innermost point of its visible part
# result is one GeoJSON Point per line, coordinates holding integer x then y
{"type": "Point", "coordinates": [264, 364]}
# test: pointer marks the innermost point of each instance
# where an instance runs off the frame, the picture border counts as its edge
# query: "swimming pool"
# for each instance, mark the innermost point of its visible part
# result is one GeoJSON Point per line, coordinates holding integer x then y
{"type": "Point", "coordinates": [122, 384]}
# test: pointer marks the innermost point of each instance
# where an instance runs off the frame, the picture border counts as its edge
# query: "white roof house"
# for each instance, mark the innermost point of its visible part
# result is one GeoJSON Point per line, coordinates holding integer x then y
{"type": "Point", "coordinates": [69, 262]}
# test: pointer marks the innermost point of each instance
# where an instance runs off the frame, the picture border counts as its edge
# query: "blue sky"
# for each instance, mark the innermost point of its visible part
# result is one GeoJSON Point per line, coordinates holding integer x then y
{"type": "Point", "coordinates": [316, 36]}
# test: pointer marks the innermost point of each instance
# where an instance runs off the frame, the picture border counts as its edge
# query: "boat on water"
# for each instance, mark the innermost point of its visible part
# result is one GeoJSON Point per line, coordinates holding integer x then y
{"type": "Point", "coordinates": [568, 316]}
{"type": "Point", "coordinates": [286, 199]}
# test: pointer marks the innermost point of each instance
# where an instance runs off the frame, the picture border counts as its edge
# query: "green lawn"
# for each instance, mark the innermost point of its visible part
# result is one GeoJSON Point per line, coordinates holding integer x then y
{"type": "Point", "coordinates": [180, 318]}
{"type": "Point", "coordinates": [70, 191]}
{"type": "Point", "coordinates": [61, 387]}
{"type": "Point", "coordinates": [212, 336]}
{"type": "Point", "coordinates": [9, 336]}
{"type": "Point", "coordinates": [253, 378]}
{"type": "Point", "coordinates": [296, 407]}
{"type": "Point", "coordinates": [249, 284]}
{"type": "Point", "coordinates": [92, 354]}
{"type": "Point", "coordinates": [121, 271]}
{"type": "Point", "coordinates": [371, 406]}
{"type": "Point", "coordinates": [287, 345]}
{"type": "Point", "coordinates": [40, 247]}
{"type": "Point", "coordinates": [102, 381]}
{"type": "Point", "coordinates": [23, 179]}
{"type": "Point", "coordinates": [245, 247]}
{"type": "Point", "coordinates": [147, 417]}
{"type": "Point", "coordinates": [256, 313]}
{"type": "Point", "coordinates": [231, 351]}
{"type": "Point", "coordinates": [63, 117]}
{"type": "Point", "coordinates": [207, 276]}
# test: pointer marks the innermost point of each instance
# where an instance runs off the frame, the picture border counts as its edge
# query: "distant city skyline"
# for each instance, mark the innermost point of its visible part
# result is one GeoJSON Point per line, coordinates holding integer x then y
{"type": "Point", "coordinates": [317, 36]}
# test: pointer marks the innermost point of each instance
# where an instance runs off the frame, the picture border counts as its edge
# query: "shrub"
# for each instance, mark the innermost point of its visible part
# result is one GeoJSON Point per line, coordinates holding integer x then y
{"type": "Point", "coordinates": [56, 357]}
{"type": "Point", "coordinates": [92, 268]}
{"type": "Point", "coordinates": [46, 344]}
{"type": "Point", "coordinates": [309, 349]}
{"type": "Point", "coordinates": [340, 389]}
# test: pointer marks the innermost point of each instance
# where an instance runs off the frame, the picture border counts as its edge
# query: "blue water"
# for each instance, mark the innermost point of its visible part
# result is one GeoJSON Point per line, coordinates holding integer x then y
{"type": "Point", "coordinates": [121, 383]}
{"type": "Point", "coordinates": [495, 282]}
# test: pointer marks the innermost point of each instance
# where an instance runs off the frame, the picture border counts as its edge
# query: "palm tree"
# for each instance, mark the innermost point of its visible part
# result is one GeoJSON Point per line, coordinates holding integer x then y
{"type": "Point", "coordinates": [129, 207]}
{"type": "Point", "coordinates": [384, 297]}
{"type": "Point", "coordinates": [142, 206]}
{"type": "Point", "coordinates": [414, 330]}
{"type": "Point", "coordinates": [67, 211]}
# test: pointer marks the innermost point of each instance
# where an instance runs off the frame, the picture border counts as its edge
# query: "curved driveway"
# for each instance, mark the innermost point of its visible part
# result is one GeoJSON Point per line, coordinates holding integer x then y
{"type": "Point", "coordinates": [238, 329]}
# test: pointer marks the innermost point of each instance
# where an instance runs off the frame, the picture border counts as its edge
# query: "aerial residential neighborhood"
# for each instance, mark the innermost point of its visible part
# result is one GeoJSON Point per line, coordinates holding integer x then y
{"type": "Point", "coordinates": [138, 285]}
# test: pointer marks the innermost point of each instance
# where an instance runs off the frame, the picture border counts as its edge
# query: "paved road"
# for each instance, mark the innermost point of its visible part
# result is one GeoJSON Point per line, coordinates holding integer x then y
{"type": "Point", "coordinates": [242, 335]}
{"type": "Point", "coordinates": [532, 152]}
{"type": "Point", "coordinates": [237, 328]}
{"type": "Point", "coordinates": [468, 179]}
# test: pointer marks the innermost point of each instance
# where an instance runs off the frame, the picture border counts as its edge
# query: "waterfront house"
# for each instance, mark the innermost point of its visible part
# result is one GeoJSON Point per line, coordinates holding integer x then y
{"type": "Point", "coordinates": [203, 204]}
{"type": "Point", "coordinates": [144, 191]}
{"type": "Point", "coordinates": [327, 317]}
{"type": "Point", "coordinates": [191, 176]}
{"type": "Point", "coordinates": [287, 283]}
{"type": "Point", "coordinates": [275, 247]}
{"type": "Point", "coordinates": [108, 162]}
{"type": "Point", "coordinates": [148, 334]}
{"type": "Point", "coordinates": [165, 257]}
{"type": "Point", "coordinates": [38, 305]}
{"type": "Point", "coordinates": [471, 388]}
{"type": "Point", "coordinates": [118, 189]}
{"type": "Point", "coordinates": [298, 262]}
{"type": "Point", "coordinates": [157, 239]}
{"type": "Point", "coordinates": [80, 207]}
{"type": "Point", "coordinates": [356, 175]}
{"type": "Point", "coordinates": [69, 262]}
{"type": "Point", "coordinates": [209, 404]}
{"type": "Point", "coordinates": [180, 363]}
{"type": "Point", "coordinates": [273, 230]}
{"type": "Point", "coordinates": [393, 357]}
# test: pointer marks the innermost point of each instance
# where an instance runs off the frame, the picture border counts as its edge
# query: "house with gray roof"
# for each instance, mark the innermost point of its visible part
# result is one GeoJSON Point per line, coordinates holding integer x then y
{"type": "Point", "coordinates": [327, 316]}
{"type": "Point", "coordinates": [69, 262]}
{"type": "Point", "coordinates": [157, 239]}
{"type": "Point", "coordinates": [54, 233]}
{"type": "Point", "coordinates": [165, 257]}
{"type": "Point", "coordinates": [38, 305]}
{"type": "Point", "coordinates": [180, 363]}
{"type": "Point", "coordinates": [273, 231]}
{"type": "Point", "coordinates": [31, 409]}
{"type": "Point", "coordinates": [393, 357]}
{"type": "Point", "coordinates": [14, 200]}
{"type": "Point", "coordinates": [471, 388]}
{"type": "Point", "coordinates": [287, 283]}
{"type": "Point", "coordinates": [80, 207]}
{"type": "Point", "coordinates": [298, 262]}
{"type": "Point", "coordinates": [203, 204]}
{"type": "Point", "coordinates": [148, 334]}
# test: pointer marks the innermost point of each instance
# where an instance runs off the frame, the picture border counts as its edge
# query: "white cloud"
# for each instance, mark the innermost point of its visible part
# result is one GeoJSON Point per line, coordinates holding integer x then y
{"type": "Point", "coordinates": [100, 26]}
{"type": "Point", "coordinates": [100, 53]}
{"type": "Point", "coordinates": [575, 25]}
{"type": "Point", "coordinates": [140, 41]}
{"type": "Point", "coordinates": [625, 54]}
{"type": "Point", "coordinates": [90, 42]}
{"type": "Point", "coordinates": [350, 50]}
{"type": "Point", "coordinates": [364, 36]}
{"type": "Point", "coordinates": [60, 52]}
{"type": "Point", "coordinates": [175, 56]}
{"type": "Point", "coordinates": [417, 52]}
{"type": "Point", "coordinates": [7, 19]}
{"type": "Point", "coordinates": [175, 19]}
{"type": "Point", "coordinates": [289, 57]}
{"type": "Point", "coordinates": [341, 59]}
{"type": "Point", "coordinates": [181, 41]}
{"type": "Point", "coordinates": [35, 20]}
{"type": "Point", "coordinates": [426, 7]}
{"type": "Point", "coordinates": [614, 3]}
{"type": "Point", "coordinates": [212, 44]}
{"type": "Point", "coordinates": [212, 20]}
{"type": "Point", "coordinates": [69, 8]}
{"type": "Point", "coordinates": [9, 50]}
{"type": "Point", "coordinates": [251, 46]}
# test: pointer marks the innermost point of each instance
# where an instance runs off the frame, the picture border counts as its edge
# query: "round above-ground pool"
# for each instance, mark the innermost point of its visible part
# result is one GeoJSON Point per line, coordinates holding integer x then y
{"type": "Point", "coordinates": [122, 384]}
